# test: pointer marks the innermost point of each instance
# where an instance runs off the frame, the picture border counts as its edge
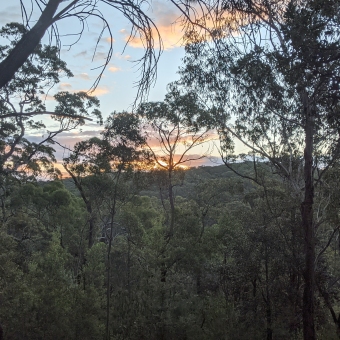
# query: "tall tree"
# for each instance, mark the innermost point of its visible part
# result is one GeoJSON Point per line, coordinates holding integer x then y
{"type": "Point", "coordinates": [22, 98]}
{"type": "Point", "coordinates": [53, 11]}
{"type": "Point", "coordinates": [112, 163]}
{"type": "Point", "coordinates": [173, 131]}
{"type": "Point", "coordinates": [274, 67]}
{"type": "Point", "coordinates": [116, 152]}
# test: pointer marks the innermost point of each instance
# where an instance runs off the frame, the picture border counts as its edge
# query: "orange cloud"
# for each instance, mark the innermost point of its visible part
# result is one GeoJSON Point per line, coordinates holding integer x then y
{"type": "Point", "coordinates": [171, 36]}
{"type": "Point", "coordinates": [114, 69]}
{"type": "Point", "coordinates": [110, 40]}
{"type": "Point", "coordinates": [168, 27]}
{"type": "Point", "coordinates": [60, 167]}
{"type": "Point", "coordinates": [100, 91]}
{"type": "Point", "coordinates": [171, 26]}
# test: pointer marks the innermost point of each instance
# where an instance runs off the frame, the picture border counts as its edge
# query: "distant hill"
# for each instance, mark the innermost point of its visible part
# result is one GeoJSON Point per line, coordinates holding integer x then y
{"type": "Point", "coordinates": [197, 175]}
{"type": "Point", "coordinates": [192, 177]}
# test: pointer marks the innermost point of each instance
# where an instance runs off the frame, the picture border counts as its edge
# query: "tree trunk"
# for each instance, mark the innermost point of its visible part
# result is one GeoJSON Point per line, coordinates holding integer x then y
{"type": "Point", "coordinates": [268, 298]}
{"type": "Point", "coordinates": [91, 227]}
{"type": "Point", "coordinates": [336, 319]}
{"type": "Point", "coordinates": [172, 205]}
{"type": "Point", "coordinates": [87, 204]}
{"type": "Point", "coordinates": [108, 268]}
{"type": "Point", "coordinates": [308, 227]}
{"type": "Point", "coordinates": [108, 277]}
{"type": "Point", "coordinates": [26, 45]}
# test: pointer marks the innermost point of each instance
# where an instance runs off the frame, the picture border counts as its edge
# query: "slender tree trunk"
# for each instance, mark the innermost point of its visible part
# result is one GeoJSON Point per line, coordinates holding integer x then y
{"type": "Point", "coordinates": [128, 267]}
{"type": "Point", "coordinates": [167, 237]}
{"type": "Point", "coordinates": [162, 327]}
{"type": "Point", "coordinates": [108, 268]}
{"type": "Point", "coordinates": [308, 227]}
{"type": "Point", "coordinates": [172, 205]}
{"type": "Point", "coordinates": [88, 205]}
{"type": "Point", "coordinates": [26, 45]}
{"type": "Point", "coordinates": [91, 229]}
{"type": "Point", "coordinates": [108, 278]}
{"type": "Point", "coordinates": [335, 317]}
{"type": "Point", "coordinates": [164, 271]}
{"type": "Point", "coordinates": [254, 283]}
{"type": "Point", "coordinates": [268, 298]}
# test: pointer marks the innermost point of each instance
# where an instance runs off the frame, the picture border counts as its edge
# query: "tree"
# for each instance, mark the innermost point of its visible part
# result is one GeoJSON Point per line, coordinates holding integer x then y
{"type": "Point", "coordinates": [44, 226]}
{"type": "Point", "coordinates": [273, 66]}
{"type": "Point", "coordinates": [53, 11]}
{"type": "Point", "coordinates": [174, 126]}
{"type": "Point", "coordinates": [22, 98]}
{"type": "Point", "coordinates": [112, 163]}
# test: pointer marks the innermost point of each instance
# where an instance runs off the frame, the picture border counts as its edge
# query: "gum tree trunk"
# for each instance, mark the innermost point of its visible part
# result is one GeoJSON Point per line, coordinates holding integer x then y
{"type": "Point", "coordinates": [308, 227]}
{"type": "Point", "coordinates": [88, 205]}
{"type": "Point", "coordinates": [27, 43]}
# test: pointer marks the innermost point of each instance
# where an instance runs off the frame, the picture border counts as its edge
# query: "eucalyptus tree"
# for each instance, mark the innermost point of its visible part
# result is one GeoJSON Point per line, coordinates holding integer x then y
{"type": "Point", "coordinates": [273, 67]}
{"type": "Point", "coordinates": [173, 132]}
{"type": "Point", "coordinates": [53, 12]}
{"type": "Point", "coordinates": [42, 234]}
{"type": "Point", "coordinates": [22, 99]}
{"type": "Point", "coordinates": [105, 171]}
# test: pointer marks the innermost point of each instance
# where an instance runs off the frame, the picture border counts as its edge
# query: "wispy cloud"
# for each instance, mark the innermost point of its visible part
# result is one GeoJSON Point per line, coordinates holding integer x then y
{"type": "Point", "coordinates": [10, 14]}
{"type": "Point", "coordinates": [81, 54]}
{"type": "Point", "coordinates": [167, 26]}
{"type": "Point", "coordinates": [206, 161]}
{"type": "Point", "coordinates": [100, 91]}
{"type": "Point", "coordinates": [171, 37]}
{"type": "Point", "coordinates": [114, 69]}
{"type": "Point", "coordinates": [120, 56]}
{"type": "Point", "coordinates": [100, 56]}
{"type": "Point", "coordinates": [47, 97]}
{"type": "Point", "coordinates": [110, 40]}
{"type": "Point", "coordinates": [67, 142]}
{"type": "Point", "coordinates": [83, 76]}
{"type": "Point", "coordinates": [64, 87]}
{"type": "Point", "coordinates": [78, 135]}
{"type": "Point", "coordinates": [171, 29]}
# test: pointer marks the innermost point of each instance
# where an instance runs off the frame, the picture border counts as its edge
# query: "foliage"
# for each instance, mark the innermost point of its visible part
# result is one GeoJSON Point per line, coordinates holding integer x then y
{"type": "Point", "coordinates": [276, 75]}
{"type": "Point", "coordinates": [23, 97]}
{"type": "Point", "coordinates": [233, 263]}
{"type": "Point", "coordinates": [137, 253]}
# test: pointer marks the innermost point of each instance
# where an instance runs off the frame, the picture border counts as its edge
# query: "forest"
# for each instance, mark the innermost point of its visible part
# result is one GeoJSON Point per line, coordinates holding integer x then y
{"type": "Point", "coordinates": [132, 241]}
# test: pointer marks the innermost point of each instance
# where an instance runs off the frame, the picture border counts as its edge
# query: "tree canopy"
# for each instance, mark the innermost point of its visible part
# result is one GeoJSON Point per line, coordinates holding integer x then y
{"type": "Point", "coordinates": [133, 245]}
{"type": "Point", "coordinates": [271, 79]}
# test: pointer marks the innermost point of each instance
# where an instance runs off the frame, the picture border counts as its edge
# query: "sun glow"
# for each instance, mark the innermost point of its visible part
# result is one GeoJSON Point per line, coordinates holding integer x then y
{"type": "Point", "coordinates": [162, 165]}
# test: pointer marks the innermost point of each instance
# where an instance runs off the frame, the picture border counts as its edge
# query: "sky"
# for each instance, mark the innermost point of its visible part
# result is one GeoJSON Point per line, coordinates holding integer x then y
{"type": "Point", "coordinates": [117, 88]}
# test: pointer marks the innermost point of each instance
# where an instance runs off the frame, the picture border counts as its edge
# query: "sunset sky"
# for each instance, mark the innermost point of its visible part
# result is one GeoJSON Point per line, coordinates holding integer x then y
{"type": "Point", "coordinates": [117, 88]}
